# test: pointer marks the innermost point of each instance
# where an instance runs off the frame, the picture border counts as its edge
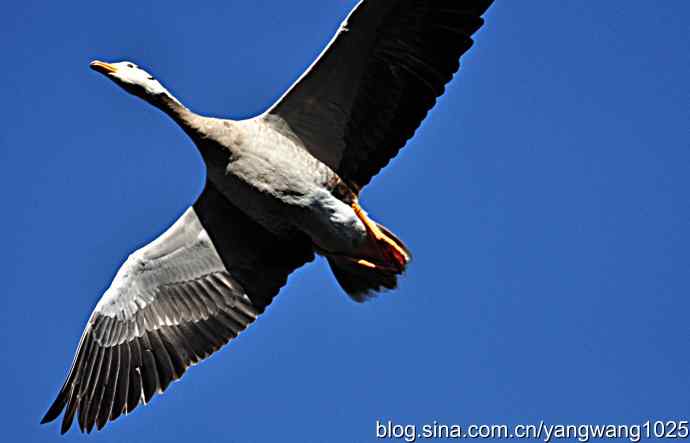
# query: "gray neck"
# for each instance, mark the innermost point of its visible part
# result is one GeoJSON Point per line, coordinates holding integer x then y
{"type": "Point", "coordinates": [176, 110]}
{"type": "Point", "coordinates": [206, 133]}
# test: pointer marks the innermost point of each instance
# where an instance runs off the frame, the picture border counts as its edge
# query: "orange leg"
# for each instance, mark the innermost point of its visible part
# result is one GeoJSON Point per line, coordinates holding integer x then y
{"type": "Point", "coordinates": [389, 246]}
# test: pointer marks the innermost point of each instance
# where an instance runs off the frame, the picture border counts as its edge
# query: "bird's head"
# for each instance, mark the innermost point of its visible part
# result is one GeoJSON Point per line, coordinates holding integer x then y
{"type": "Point", "coordinates": [131, 78]}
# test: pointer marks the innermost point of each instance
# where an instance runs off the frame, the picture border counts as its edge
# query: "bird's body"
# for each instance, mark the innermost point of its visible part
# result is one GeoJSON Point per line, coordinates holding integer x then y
{"type": "Point", "coordinates": [271, 177]}
{"type": "Point", "coordinates": [281, 188]}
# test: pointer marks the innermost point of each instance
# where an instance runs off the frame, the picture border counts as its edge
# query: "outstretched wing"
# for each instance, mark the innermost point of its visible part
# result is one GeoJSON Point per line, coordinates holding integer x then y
{"type": "Point", "coordinates": [172, 304]}
{"type": "Point", "coordinates": [370, 89]}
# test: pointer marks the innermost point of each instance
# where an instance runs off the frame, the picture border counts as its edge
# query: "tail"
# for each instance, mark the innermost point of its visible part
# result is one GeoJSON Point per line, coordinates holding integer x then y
{"type": "Point", "coordinates": [362, 278]}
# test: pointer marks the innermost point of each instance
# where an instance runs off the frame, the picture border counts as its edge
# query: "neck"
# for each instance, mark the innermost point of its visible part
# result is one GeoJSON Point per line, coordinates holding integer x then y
{"type": "Point", "coordinates": [176, 110]}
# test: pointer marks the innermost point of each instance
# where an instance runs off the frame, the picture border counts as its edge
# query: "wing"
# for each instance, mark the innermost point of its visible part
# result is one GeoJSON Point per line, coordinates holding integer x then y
{"type": "Point", "coordinates": [172, 304]}
{"type": "Point", "coordinates": [372, 86]}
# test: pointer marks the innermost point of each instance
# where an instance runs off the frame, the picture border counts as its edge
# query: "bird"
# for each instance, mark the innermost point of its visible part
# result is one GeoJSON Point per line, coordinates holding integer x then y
{"type": "Point", "coordinates": [281, 188]}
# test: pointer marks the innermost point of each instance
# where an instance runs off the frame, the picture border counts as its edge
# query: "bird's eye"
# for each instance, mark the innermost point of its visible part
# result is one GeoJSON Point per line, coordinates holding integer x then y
{"type": "Point", "coordinates": [130, 65]}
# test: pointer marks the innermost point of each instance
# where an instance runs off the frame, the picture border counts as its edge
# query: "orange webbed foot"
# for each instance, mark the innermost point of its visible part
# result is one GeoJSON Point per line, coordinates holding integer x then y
{"type": "Point", "coordinates": [393, 253]}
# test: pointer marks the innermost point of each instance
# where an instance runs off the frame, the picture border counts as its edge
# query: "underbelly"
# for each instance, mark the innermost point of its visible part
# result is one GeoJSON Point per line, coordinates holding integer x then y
{"type": "Point", "coordinates": [263, 207]}
{"type": "Point", "coordinates": [330, 223]}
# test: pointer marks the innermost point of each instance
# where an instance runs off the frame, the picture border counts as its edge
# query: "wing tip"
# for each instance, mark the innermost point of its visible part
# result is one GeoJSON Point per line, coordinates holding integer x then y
{"type": "Point", "coordinates": [54, 410]}
{"type": "Point", "coordinates": [47, 419]}
{"type": "Point", "coordinates": [66, 426]}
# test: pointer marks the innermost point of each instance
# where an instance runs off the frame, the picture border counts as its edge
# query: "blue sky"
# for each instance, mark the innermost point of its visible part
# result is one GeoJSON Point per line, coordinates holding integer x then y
{"type": "Point", "coordinates": [545, 199]}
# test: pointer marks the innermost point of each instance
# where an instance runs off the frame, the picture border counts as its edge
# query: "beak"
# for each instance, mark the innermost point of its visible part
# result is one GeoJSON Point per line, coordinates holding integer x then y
{"type": "Point", "coordinates": [102, 67]}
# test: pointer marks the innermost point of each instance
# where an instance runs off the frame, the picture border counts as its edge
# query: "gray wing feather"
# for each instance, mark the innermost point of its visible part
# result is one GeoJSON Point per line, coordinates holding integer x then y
{"type": "Point", "coordinates": [369, 90]}
{"type": "Point", "coordinates": [172, 304]}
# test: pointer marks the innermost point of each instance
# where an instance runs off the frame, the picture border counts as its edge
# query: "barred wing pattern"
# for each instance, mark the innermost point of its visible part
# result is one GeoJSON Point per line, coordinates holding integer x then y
{"type": "Point", "coordinates": [372, 86]}
{"type": "Point", "coordinates": [172, 304]}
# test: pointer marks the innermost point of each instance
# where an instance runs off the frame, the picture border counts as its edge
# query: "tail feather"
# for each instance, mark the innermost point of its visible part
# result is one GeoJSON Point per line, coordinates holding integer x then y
{"type": "Point", "coordinates": [359, 281]}
{"type": "Point", "coordinates": [364, 277]}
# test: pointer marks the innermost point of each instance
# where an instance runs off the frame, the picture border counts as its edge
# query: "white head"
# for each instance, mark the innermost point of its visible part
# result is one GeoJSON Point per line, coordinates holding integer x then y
{"type": "Point", "coordinates": [132, 78]}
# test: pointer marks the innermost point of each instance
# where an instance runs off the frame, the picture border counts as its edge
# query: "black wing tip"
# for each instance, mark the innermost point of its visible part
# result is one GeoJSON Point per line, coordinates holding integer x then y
{"type": "Point", "coordinates": [47, 419]}
{"type": "Point", "coordinates": [55, 410]}
{"type": "Point", "coordinates": [52, 415]}
{"type": "Point", "coordinates": [66, 426]}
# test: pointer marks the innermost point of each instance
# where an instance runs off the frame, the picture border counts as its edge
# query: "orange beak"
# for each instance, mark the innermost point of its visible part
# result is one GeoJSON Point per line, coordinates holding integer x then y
{"type": "Point", "coordinates": [102, 67]}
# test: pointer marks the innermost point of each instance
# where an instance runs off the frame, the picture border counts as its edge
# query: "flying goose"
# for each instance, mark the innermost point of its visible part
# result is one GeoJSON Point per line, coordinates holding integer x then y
{"type": "Point", "coordinates": [281, 187]}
